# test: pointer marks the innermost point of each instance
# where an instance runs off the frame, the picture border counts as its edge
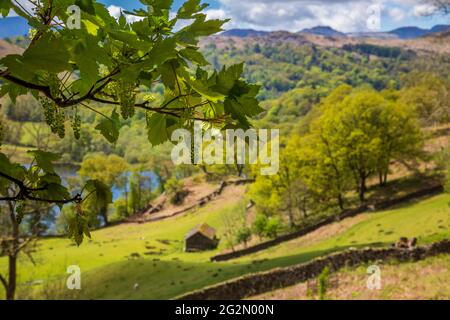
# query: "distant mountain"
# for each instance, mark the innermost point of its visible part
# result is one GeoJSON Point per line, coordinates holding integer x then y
{"type": "Point", "coordinates": [372, 35]}
{"type": "Point", "coordinates": [324, 31]}
{"type": "Point", "coordinates": [415, 32]}
{"type": "Point", "coordinates": [13, 26]}
{"type": "Point", "coordinates": [440, 28]}
{"type": "Point", "coordinates": [410, 32]}
{"type": "Point", "coordinates": [243, 33]}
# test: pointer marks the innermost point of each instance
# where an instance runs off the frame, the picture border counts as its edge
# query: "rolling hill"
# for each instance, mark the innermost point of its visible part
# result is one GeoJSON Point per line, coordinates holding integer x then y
{"type": "Point", "coordinates": [9, 48]}
{"type": "Point", "coordinates": [324, 31]}
{"type": "Point", "coordinates": [146, 261]}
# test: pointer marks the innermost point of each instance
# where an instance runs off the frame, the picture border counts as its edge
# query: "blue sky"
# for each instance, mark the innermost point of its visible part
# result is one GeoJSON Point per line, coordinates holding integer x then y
{"type": "Point", "coordinates": [295, 15]}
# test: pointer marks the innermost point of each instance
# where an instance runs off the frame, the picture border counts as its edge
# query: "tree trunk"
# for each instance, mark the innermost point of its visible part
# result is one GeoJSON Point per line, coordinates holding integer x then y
{"type": "Point", "coordinates": [362, 190]}
{"type": "Point", "coordinates": [104, 214]}
{"type": "Point", "coordinates": [340, 202]}
{"type": "Point", "coordinates": [12, 277]}
{"type": "Point", "coordinates": [239, 169]}
{"type": "Point", "coordinates": [12, 256]}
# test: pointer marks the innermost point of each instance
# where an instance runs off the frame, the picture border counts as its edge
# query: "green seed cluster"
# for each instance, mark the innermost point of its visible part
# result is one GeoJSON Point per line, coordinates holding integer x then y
{"type": "Point", "coordinates": [53, 83]}
{"type": "Point", "coordinates": [76, 125]}
{"type": "Point", "coordinates": [20, 210]}
{"type": "Point", "coordinates": [126, 99]}
{"type": "Point", "coordinates": [54, 117]}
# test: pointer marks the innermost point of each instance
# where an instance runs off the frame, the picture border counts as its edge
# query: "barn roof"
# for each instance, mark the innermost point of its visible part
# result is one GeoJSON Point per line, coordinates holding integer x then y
{"type": "Point", "coordinates": [204, 229]}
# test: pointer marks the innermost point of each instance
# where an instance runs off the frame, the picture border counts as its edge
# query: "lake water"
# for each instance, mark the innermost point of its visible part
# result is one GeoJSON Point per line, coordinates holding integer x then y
{"type": "Point", "coordinates": [68, 171]}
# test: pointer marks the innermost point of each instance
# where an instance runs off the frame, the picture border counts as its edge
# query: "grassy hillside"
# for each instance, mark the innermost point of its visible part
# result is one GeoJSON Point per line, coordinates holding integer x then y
{"type": "Point", "coordinates": [428, 220]}
{"type": "Point", "coordinates": [163, 270]}
{"type": "Point", "coordinates": [427, 279]}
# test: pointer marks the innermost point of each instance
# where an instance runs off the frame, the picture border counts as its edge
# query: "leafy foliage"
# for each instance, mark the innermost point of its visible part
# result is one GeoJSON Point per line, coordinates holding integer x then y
{"type": "Point", "coordinates": [111, 67]}
{"type": "Point", "coordinates": [116, 63]}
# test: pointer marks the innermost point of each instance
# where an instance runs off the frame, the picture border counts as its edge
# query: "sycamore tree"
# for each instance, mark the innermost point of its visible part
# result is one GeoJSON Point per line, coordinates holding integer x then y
{"type": "Point", "coordinates": [114, 63]}
{"type": "Point", "coordinates": [80, 57]}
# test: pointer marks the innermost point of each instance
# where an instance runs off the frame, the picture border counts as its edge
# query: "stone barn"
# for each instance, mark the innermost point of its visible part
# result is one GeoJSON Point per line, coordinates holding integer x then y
{"type": "Point", "coordinates": [202, 237]}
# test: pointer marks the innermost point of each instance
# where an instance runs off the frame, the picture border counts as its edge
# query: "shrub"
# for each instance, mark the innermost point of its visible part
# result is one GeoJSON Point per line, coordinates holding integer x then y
{"type": "Point", "coordinates": [259, 225]}
{"type": "Point", "coordinates": [323, 283]}
{"type": "Point", "coordinates": [175, 190]}
{"type": "Point", "coordinates": [272, 227]}
{"type": "Point", "coordinates": [243, 235]}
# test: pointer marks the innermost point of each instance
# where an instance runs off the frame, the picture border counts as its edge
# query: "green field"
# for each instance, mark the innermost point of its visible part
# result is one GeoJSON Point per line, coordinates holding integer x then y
{"type": "Point", "coordinates": [163, 270]}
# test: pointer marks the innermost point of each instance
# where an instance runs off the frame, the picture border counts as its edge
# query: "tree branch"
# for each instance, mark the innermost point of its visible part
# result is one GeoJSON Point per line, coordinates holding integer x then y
{"type": "Point", "coordinates": [26, 193]}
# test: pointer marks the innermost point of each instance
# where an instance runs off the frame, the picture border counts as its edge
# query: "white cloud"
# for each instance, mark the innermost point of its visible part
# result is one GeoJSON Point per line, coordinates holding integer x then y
{"type": "Point", "coordinates": [397, 14]}
{"type": "Point", "coordinates": [423, 10]}
{"type": "Point", "coordinates": [294, 15]}
{"type": "Point", "coordinates": [216, 14]}
{"type": "Point", "coordinates": [115, 12]}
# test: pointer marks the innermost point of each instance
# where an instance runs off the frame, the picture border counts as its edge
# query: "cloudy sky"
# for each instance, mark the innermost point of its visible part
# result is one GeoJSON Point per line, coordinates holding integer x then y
{"type": "Point", "coordinates": [295, 15]}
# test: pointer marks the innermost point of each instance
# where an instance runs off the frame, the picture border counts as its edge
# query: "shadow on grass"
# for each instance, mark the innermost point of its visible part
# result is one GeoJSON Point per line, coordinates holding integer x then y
{"type": "Point", "coordinates": [161, 279]}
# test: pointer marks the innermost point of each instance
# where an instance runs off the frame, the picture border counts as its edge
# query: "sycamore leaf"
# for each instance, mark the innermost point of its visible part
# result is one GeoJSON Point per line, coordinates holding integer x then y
{"type": "Point", "coordinates": [203, 89]}
{"type": "Point", "coordinates": [157, 129]}
{"type": "Point", "coordinates": [44, 159]}
{"type": "Point", "coordinates": [110, 127]}
{"type": "Point", "coordinates": [194, 55]}
{"type": "Point", "coordinates": [86, 6]}
{"type": "Point", "coordinates": [162, 52]}
{"type": "Point", "coordinates": [200, 28]}
{"type": "Point", "coordinates": [49, 54]}
{"type": "Point", "coordinates": [190, 8]}
{"type": "Point", "coordinates": [235, 109]}
{"type": "Point", "coordinates": [227, 77]}
{"type": "Point", "coordinates": [77, 227]}
{"type": "Point", "coordinates": [5, 6]}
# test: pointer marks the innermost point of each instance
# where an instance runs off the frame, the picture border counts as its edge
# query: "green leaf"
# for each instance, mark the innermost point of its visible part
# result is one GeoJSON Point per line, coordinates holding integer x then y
{"type": "Point", "coordinates": [190, 8]}
{"type": "Point", "coordinates": [227, 77]}
{"type": "Point", "coordinates": [233, 108]}
{"type": "Point", "coordinates": [200, 28]}
{"type": "Point", "coordinates": [77, 226]}
{"type": "Point", "coordinates": [157, 128]}
{"type": "Point", "coordinates": [44, 159]}
{"type": "Point", "coordinates": [194, 55]}
{"type": "Point", "coordinates": [49, 54]}
{"type": "Point", "coordinates": [86, 6]}
{"type": "Point", "coordinates": [110, 127]}
{"type": "Point", "coordinates": [202, 88]}
{"type": "Point", "coordinates": [54, 191]}
{"type": "Point", "coordinates": [162, 52]}
{"type": "Point", "coordinates": [5, 6]}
